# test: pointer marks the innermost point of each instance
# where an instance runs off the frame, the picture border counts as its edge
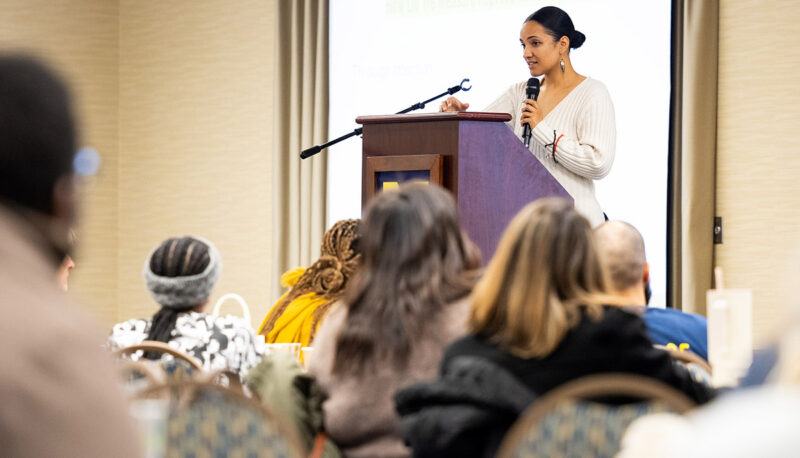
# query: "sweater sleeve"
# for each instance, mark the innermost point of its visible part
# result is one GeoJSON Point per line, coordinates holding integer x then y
{"type": "Point", "coordinates": [507, 103]}
{"type": "Point", "coordinates": [590, 154]}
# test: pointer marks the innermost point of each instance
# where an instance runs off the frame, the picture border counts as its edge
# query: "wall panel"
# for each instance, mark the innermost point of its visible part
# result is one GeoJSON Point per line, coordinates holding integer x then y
{"type": "Point", "coordinates": [758, 157]}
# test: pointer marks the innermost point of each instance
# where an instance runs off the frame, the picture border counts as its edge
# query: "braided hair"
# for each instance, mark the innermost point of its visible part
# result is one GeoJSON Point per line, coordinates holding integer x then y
{"type": "Point", "coordinates": [328, 276]}
{"type": "Point", "coordinates": [175, 257]}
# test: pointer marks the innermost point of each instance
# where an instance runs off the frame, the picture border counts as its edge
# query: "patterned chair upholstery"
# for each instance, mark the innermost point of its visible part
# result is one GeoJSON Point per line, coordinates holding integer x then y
{"type": "Point", "coordinates": [580, 429]}
{"type": "Point", "coordinates": [208, 420]}
{"type": "Point", "coordinates": [177, 369]}
{"type": "Point", "coordinates": [564, 423]}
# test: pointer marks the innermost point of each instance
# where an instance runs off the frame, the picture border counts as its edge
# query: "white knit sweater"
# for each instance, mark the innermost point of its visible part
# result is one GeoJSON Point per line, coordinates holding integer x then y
{"type": "Point", "coordinates": [585, 153]}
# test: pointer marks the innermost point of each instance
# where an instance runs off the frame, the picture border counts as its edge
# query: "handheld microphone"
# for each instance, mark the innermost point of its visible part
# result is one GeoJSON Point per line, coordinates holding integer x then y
{"type": "Point", "coordinates": [531, 92]}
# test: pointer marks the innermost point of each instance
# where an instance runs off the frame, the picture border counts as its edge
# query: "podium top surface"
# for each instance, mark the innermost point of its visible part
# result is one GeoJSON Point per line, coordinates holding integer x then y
{"type": "Point", "coordinates": [427, 117]}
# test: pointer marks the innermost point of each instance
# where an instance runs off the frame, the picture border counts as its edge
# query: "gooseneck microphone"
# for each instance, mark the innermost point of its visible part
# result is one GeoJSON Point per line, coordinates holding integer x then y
{"type": "Point", "coordinates": [464, 85]}
{"type": "Point", "coordinates": [531, 92]}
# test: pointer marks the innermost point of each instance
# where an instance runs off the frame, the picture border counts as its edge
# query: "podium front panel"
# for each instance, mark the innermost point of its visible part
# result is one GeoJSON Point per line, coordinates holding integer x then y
{"type": "Point", "coordinates": [486, 167]}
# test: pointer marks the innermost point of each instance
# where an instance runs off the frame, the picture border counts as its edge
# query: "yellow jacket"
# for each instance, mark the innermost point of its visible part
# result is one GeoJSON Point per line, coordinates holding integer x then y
{"type": "Point", "coordinates": [294, 324]}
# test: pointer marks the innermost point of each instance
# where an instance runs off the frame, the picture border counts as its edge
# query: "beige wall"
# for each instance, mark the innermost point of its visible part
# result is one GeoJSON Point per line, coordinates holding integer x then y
{"type": "Point", "coordinates": [177, 98]}
{"type": "Point", "coordinates": [758, 154]}
{"type": "Point", "coordinates": [196, 92]}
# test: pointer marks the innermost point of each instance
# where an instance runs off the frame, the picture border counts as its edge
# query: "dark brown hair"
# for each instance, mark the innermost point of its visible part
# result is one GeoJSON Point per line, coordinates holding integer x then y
{"type": "Point", "coordinates": [416, 261]}
{"type": "Point", "coordinates": [558, 24]}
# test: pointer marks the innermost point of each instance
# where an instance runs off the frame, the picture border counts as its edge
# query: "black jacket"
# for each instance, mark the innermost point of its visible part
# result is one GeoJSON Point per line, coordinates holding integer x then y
{"type": "Point", "coordinates": [482, 389]}
{"type": "Point", "coordinates": [466, 412]}
{"type": "Point", "coordinates": [618, 342]}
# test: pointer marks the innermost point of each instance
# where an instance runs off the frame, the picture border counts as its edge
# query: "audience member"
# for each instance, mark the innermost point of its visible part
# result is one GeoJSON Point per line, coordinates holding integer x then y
{"type": "Point", "coordinates": [297, 315]}
{"type": "Point", "coordinates": [540, 317]}
{"type": "Point", "coordinates": [58, 389]}
{"type": "Point", "coordinates": [621, 249]}
{"type": "Point", "coordinates": [180, 275]}
{"type": "Point", "coordinates": [406, 303]}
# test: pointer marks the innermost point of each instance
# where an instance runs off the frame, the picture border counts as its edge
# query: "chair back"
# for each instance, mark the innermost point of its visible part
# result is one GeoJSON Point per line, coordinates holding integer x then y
{"type": "Point", "coordinates": [206, 419]}
{"type": "Point", "coordinates": [567, 422]}
{"type": "Point", "coordinates": [699, 368]}
{"type": "Point", "coordinates": [161, 347]}
{"type": "Point", "coordinates": [178, 369]}
{"type": "Point", "coordinates": [135, 370]}
{"type": "Point", "coordinates": [138, 375]}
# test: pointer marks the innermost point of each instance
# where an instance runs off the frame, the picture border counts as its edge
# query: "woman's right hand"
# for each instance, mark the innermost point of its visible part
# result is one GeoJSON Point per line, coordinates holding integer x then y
{"type": "Point", "coordinates": [453, 104]}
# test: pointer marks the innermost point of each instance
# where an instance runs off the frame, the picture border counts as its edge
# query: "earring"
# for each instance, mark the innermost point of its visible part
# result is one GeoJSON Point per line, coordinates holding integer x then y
{"type": "Point", "coordinates": [563, 68]}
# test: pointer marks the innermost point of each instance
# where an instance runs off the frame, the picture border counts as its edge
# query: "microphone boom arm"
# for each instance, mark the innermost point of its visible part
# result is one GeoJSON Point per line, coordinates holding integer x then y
{"type": "Point", "coordinates": [463, 86]}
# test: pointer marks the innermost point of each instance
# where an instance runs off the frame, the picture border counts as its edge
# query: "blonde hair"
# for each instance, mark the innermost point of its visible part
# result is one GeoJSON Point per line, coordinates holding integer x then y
{"type": "Point", "coordinates": [546, 267]}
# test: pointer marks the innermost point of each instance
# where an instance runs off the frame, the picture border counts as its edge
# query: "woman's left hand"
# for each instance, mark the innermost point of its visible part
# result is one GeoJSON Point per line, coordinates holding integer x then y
{"type": "Point", "coordinates": [531, 113]}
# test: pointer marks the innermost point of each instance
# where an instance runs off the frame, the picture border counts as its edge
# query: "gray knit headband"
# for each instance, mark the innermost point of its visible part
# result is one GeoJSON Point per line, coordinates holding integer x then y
{"type": "Point", "coordinates": [182, 292]}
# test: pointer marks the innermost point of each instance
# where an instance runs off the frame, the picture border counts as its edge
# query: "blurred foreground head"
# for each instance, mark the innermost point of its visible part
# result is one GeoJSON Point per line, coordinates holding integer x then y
{"type": "Point", "coordinates": [37, 145]}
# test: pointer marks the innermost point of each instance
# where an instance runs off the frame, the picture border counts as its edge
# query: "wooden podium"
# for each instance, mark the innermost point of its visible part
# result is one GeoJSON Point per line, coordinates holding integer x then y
{"type": "Point", "coordinates": [474, 155]}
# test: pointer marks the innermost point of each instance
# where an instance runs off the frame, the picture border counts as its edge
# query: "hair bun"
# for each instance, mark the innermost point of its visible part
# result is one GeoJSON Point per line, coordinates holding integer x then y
{"type": "Point", "coordinates": [576, 40]}
{"type": "Point", "coordinates": [329, 278]}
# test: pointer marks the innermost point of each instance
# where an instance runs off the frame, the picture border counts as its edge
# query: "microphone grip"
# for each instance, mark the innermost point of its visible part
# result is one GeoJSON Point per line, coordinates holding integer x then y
{"type": "Point", "coordinates": [531, 92]}
{"type": "Point", "coordinates": [526, 135]}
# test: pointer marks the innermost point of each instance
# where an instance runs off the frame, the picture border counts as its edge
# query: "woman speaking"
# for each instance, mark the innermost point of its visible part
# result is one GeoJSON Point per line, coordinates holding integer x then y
{"type": "Point", "coordinates": [572, 121]}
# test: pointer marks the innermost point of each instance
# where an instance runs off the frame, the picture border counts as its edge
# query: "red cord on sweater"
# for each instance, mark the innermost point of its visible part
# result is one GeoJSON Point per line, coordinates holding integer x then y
{"type": "Point", "coordinates": [556, 146]}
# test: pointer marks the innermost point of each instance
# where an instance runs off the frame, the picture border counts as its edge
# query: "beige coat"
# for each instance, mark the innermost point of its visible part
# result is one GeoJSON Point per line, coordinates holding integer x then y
{"type": "Point", "coordinates": [58, 391]}
{"type": "Point", "coordinates": [360, 413]}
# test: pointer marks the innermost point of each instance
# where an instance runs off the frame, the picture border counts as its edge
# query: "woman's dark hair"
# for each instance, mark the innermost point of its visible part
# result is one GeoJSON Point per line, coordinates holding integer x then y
{"type": "Point", "coordinates": [415, 261]}
{"type": "Point", "coordinates": [558, 24]}
{"type": "Point", "coordinates": [175, 257]}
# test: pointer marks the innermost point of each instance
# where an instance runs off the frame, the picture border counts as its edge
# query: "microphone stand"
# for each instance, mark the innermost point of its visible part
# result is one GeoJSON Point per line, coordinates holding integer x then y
{"type": "Point", "coordinates": [463, 86]}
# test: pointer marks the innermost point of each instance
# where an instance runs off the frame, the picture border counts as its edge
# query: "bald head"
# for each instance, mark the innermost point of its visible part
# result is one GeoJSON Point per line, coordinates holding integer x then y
{"type": "Point", "coordinates": [621, 250]}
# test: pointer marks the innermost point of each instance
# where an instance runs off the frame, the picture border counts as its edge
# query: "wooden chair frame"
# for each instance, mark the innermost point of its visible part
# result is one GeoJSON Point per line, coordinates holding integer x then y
{"type": "Point", "coordinates": [161, 347]}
